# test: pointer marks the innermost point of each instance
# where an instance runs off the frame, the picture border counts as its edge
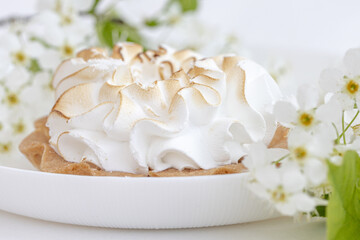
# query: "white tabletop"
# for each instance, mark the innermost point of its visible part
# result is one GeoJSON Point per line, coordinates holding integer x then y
{"type": "Point", "coordinates": [19, 227]}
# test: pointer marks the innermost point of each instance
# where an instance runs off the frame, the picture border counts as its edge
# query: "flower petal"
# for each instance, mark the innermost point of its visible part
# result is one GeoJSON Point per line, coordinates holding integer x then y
{"type": "Point", "coordinates": [50, 59]}
{"type": "Point", "coordinates": [34, 49]}
{"type": "Point", "coordinates": [269, 177]}
{"type": "Point", "coordinates": [293, 180]}
{"type": "Point", "coordinates": [303, 202]}
{"type": "Point", "coordinates": [285, 112]}
{"type": "Point", "coordinates": [352, 61]}
{"type": "Point", "coordinates": [287, 208]}
{"type": "Point", "coordinates": [307, 97]}
{"type": "Point", "coordinates": [330, 79]}
{"type": "Point", "coordinates": [345, 101]}
{"type": "Point", "coordinates": [315, 171]}
{"type": "Point", "coordinates": [298, 137]}
{"type": "Point", "coordinates": [17, 78]}
{"type": "Point", "coordinates": [10, 42]}
{"type": "Point", "coordinates": [330, 112]}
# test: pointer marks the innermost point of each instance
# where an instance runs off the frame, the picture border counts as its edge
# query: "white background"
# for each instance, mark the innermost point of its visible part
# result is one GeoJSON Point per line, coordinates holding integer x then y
{"type": "Point", "coordinates": [325, 26]}
{"type": "Point", "coordinates": [310, 35]}
{"type": "Point", "coordinates": [307, 35]}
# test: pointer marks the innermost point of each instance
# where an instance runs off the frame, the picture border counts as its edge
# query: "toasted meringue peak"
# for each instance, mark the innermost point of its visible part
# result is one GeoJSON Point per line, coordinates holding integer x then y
{"type": "Point", "coordinates": [67, 68]}
{"type": "Point", "coordinates": [77, 100]}
{"type": "Point", "coordinates": [126, 51]}
{"type": "Point", "coordinates": [159, 109]}
{"type": "Point", "coordinates": [92, 53]}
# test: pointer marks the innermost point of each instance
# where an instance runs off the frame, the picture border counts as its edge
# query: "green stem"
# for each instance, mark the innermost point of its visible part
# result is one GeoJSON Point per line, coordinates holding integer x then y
{"type": "Point", "coordinates": [343, 127]}
{"type": "Point", "coordinates": [93, 8]}
{"type": "Point", "coordinates": [337, 133]}
{"type": "Point", "coordinates": [280, 159]}
{"type": "Point", "coordinates": [347, 127]}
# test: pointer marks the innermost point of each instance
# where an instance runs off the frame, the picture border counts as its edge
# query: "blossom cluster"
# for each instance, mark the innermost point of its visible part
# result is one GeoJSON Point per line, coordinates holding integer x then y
{"type": "Point", "coordinates": [323, 124]}
{"type": "Point", "coordinates": [29, 53]}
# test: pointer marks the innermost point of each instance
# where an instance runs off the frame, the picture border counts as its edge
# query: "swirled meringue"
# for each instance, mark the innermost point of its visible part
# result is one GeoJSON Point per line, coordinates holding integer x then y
{"type": "Point", "coordinates": [136, 110]}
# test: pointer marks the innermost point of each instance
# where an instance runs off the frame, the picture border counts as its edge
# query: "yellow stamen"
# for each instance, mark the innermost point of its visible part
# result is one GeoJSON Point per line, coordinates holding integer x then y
{"type": "Point", "coordinates": [300, 153]}
{"type": "Point", "coordinates": [66, 20]}
{"type": "Point", "coordinates": [12, 99]}
{"type": "Point", "coordinates": [5, 147]}
{"type": "Point", "coordinates": [356, 129]}
{"type": "Point", "coordinates": [352, 87]}
{"type": "Point", "coordinates": [278, 195]}
{"type": "Point", "coordinates": [58, 6]}
{"type": "Point", "coordinates": [67, 51]}
{"type": "Point", "coordinates": [306, 119]}
{"type": "Point", "coordinates": [19, 127]}
{"type": "Point", "coordinates": [20, 58]}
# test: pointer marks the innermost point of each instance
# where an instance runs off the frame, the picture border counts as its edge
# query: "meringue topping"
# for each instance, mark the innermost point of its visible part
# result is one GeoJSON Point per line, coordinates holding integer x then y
{"type": "Point", "coordinates": [136, 110]}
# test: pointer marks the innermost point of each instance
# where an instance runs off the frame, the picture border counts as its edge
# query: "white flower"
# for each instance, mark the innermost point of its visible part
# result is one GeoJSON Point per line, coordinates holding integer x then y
{"type": "Point", "coordinates": [6, 148]}
{"type": "Point", "coordinates": [300, 112]}
{"type": "Point", "coordinates": [56, 33]}
{"type": "Point", "coordinates": [344, 83]}
{"type": "Point", "coordinates": [309, 152]}
{"type": "Point", "coordinates": [16, 79]}
{"type": "Point", "coordinates": [15, 122]}
{"type": "Point", "coordinates": [62, 30]}
{"type": "Point", "coordinates": [39, 94]}
{"type": "Point", "coordinates": [330, 112]}
{"type": "Point", "coordinates": [284, 188]}
{"type": "Point", "coordinates": [49, 27]}
{"type": "Point", "coordinates": [17, 51]}
{"type": "Point", "coordinates": [62, 40]}
{"type": "Point", "coordinates": [337, 155]}
{"type": "Point", "coordinates": [259, 156]}
{"type": "Point", "coordinates": [44, 26]}
{"type": "Point", "coordinates": [65, 47]}
{"type": "Point", "coordinates": [11, 99]}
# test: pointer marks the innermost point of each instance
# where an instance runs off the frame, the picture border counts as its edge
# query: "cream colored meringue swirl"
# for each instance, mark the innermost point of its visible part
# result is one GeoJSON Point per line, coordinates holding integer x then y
{"type": "Point", "coordinates": [136, 110]}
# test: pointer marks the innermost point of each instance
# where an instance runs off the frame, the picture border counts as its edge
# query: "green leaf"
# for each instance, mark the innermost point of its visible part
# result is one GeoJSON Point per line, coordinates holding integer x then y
{"type": "Point", "coordinates": [343, 210]}
{"type": "Point", "coordinates": [188, 5]}
{"type": "Point", "coordinates": [111, 31]}
{"type": "Point", "coordinates": [321, 210]}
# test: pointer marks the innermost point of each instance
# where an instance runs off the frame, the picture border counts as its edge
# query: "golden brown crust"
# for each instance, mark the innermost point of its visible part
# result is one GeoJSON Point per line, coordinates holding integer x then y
{"type": "Point", "coordinates": [37, 149]}
{"type": "Point", "coordinates": [226, 169]}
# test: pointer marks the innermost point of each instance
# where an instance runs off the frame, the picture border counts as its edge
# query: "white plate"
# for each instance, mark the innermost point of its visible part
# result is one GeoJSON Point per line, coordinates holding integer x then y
{"type": "Point", "coordinates": [178, 202]}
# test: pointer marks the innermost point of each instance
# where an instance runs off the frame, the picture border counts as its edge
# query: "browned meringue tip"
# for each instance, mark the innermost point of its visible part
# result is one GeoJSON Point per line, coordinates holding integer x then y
{"type": "Point", "coordinates": [126, 51]}
{"type": "Point", "coordinates": [92, 53]}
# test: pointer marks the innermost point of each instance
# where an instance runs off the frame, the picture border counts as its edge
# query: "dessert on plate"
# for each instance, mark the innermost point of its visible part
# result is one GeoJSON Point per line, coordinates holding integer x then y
{"type": "Point", "coordinates": [154, 113]}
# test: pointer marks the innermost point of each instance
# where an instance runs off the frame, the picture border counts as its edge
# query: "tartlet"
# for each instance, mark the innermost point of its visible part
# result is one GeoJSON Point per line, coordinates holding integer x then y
{"type": "Point", "coordinates": [134, 114]}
